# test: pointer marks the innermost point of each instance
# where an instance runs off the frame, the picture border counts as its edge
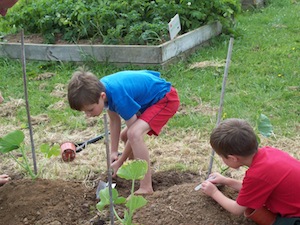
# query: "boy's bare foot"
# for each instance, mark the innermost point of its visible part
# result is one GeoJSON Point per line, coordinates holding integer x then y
{"type": "Point", "coordinates": [143, 191]}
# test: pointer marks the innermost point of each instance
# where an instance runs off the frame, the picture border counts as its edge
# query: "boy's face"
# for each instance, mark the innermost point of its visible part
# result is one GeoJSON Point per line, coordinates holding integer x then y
{"type": "Point", "coordinates": [95, 109]}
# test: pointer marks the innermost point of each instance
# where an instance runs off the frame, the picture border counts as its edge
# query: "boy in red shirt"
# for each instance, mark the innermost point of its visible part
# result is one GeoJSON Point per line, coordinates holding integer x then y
{"type": "Point", "coordinates": [272, 178]}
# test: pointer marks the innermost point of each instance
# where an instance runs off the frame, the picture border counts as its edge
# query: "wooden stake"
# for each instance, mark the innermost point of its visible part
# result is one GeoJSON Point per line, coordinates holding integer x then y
{"type": "Point", "coordinates": [27, 103]}
{"type": "Point", "coordinates": [221, 98]}
{"type": "Point", "coordinates": [109, 170]}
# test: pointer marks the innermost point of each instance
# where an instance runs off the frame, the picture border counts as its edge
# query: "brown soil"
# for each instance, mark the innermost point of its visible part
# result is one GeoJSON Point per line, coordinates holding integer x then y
{"type": "Point", "coordinates": [56, 202]}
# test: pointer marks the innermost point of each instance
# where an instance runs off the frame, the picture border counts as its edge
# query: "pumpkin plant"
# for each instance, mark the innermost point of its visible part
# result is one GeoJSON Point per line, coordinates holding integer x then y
{"type": "Point", "coordinates": [130, 170]}
{"type": "Point", "coordinates": [15, 141]}
{"type": "Point", "coordinates": [50, 151]}
{"type": "Point", "coordinates": [264, 126]}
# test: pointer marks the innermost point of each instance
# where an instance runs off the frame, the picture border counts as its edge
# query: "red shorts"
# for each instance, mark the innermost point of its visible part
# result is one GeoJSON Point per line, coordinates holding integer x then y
{"type": "Point", "coordinates": [159, 114]}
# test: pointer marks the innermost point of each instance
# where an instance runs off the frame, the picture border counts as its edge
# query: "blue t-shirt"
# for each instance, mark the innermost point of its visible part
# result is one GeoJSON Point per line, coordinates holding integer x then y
{"type": "Point", "coordinates": [133, 91]}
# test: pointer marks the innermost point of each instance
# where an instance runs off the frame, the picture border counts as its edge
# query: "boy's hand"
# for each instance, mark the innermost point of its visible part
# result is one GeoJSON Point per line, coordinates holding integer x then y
{"type": "Point", "coordinates": [115, 167]}
{"type": "Point", "coordinates": [208, 188]}
{"type": "Point", "coordinates": [217, 178]}
{"type": "Point", "coordinates": [114, 156]}
{"type": "Point", "coordinates": [4, 178]}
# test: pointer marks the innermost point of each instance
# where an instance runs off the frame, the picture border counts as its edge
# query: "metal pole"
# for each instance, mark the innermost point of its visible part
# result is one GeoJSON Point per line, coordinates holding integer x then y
{"type": "Point", "coordinates": [27, 103]}
{"type": "Point", "coordinates": [109, 170]}
{"type": "Point", "coordinates": [221, 98]}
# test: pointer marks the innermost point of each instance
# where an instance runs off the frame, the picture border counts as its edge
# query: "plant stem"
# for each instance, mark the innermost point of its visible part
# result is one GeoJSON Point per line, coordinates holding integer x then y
{"type": "Point", "coordinates": [116, 214]}
{"type": "Point", "coordinates": [24, 165]}
{"type": "Point", "coordinates": [17, 161]}
{"type": "Point", "coordinates": [130, 206]}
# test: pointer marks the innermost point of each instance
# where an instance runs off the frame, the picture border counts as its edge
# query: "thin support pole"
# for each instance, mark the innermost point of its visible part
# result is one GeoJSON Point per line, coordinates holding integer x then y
{"type": "Point", "coordinates": [27, 102]}
{"type": "Point", "coordinates": [221, 98]}
{"type": "Point", "coordinates": [109, 170]}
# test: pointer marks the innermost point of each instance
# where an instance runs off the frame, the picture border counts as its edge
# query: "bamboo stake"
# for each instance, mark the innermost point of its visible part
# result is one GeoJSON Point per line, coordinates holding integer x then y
{"type": "Point", "coordinates": [221, 98]}
{"type": "Point", "coordinates": [109, 171]}
{"type": "Point", "coordinates": [27, 102]}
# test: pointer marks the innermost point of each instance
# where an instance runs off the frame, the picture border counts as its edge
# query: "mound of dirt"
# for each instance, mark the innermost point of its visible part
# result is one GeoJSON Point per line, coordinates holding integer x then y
{"type": "Point", "coordinates": [57, 202]}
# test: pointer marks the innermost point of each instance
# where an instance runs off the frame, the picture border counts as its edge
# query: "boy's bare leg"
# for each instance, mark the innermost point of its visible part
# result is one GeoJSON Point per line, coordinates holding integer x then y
{"type": "Point", "coordinates": [140, 151]}
{"type": "Point", "coordinates": [146, 183]}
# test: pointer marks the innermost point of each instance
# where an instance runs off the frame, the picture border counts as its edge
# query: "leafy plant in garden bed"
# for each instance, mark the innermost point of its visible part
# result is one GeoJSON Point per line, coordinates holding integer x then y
{"type": "Point", "coordinates": [15, 141]}
{"type": "Point", "coordinates": [130, 170]}
{"type": "Point", "coordinates": [115, 22]}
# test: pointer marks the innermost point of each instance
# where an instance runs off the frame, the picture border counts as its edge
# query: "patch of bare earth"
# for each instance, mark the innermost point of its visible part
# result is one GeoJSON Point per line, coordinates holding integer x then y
{"type": "Point", "coordinates": [66, 192]}
{"type": "Point", "coordinates": [58, 202]}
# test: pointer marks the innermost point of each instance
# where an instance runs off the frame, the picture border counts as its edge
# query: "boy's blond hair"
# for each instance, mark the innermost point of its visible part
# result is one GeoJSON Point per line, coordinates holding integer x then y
{"type": "Point", "coordinates": [84, 89]}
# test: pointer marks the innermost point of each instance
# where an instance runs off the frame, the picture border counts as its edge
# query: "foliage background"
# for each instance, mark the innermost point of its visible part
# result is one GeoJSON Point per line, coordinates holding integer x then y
{"type": "Point", "coordinates": [115, 22]}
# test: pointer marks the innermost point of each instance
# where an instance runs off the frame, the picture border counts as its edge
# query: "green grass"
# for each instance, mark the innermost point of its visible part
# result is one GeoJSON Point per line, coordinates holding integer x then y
{"type": "Point", "coordinates": [264, 74]}
{"type": "Point", "coordinates": [264, 77]}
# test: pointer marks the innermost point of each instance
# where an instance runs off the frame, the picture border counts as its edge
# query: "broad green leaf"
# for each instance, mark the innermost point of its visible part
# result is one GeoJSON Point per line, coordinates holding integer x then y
{"type": "Point", "coordinates": [119, 200]}
{"type": "Point", "coordinates": [50, 151]}
{"type": "Point", "coordinates": [105, 198]}
{"type": "Point", "coordinates": [45, 149]}
{"type": "Point", "coordinates": [264, 126]}
{"type": "Point", "coordinates": [11, 141]}
{"type": "Point", "coordinates": [101, 205]}
{"type": "Point", "coordinates": [133, 170]}
{"type": "Point", "coordinates": [136, 202]}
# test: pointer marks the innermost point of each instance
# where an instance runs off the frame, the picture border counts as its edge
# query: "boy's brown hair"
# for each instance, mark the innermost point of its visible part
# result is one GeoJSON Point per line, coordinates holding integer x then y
{"type": "Point", "coordinates": [84, 89]}
{"type": "Point", "coordinates": [234, 137]}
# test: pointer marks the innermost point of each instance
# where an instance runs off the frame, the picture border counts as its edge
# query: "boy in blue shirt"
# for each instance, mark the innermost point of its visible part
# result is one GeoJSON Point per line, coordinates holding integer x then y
{"type": "Point", "coordinates": [141, 97]}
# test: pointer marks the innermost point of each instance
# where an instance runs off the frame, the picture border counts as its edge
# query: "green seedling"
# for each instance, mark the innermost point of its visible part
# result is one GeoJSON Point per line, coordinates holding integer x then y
{"type": "Point", "coordinates": [130, 170]}
{"type": "Point", "coordinates": [264, 126]}
{"type": "Point", "coordinates": [14, 141]}
{"type": "Point", "coordinates": [50, 151]}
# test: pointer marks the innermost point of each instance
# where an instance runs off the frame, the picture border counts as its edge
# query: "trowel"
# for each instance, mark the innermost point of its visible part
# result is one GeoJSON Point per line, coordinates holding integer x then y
{"type": "Point", "coordinates": [102, 185]}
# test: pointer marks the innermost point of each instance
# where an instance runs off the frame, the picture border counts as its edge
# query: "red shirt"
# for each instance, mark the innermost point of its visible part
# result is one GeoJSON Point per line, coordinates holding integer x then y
{"type": "Point", "coordinates": [273, 179]}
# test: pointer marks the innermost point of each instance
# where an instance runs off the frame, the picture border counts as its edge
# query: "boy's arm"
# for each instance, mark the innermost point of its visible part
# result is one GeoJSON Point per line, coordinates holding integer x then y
{"type": "Point", "coordinates": [127, 150]}
{"type": "Point", "coordinates": [115, 129]}
{"type": "Point", "coordinates": [233, 183]}
{"type": "Point", "coordinates": [227, 203]}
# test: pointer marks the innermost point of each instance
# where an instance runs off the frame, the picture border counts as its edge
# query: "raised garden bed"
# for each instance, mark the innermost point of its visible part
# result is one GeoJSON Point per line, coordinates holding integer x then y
{"type": "Point", "coordinates": [119, 54]}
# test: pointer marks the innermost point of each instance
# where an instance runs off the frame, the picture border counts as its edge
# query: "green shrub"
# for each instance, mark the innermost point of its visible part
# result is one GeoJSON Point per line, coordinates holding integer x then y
{"type": "Point", "coordinates": [115, 22]}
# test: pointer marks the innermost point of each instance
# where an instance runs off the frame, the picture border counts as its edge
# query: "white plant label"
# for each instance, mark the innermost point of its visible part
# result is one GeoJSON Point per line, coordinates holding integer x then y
{"type": "Point", "coordinates": [198, 187]}
{"type": "Point", "coordinates": [174, 26]}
